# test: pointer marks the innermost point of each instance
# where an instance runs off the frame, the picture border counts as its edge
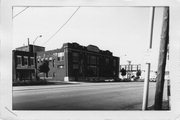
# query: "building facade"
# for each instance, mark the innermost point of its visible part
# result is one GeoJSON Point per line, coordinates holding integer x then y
{"type": "Point", "coordinates": [24, 63]}
{"type": "Point", "coordinates": [131, 69]}
{"type": "Point", "coordinates": [73, 62]}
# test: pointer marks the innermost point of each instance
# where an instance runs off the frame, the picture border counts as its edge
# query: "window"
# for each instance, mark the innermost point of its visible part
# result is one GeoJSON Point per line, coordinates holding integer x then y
{"type": "Point", "coordinates": [50, 58]}
{"type": "Point", "coordinates": [53, 62]}
{"type": "Point", "coordinates": [19, 60]}
{"type": "Point", "coordinates": [88, 57]}
{"type": "Point", "coordinates": [42, 59]}
{"type": "Point", "coordinates": [92, 59]}
{"type": "Point", "coordinates": [75, 57]}
{"type": "Point", "coordinates": [60, 56]}
{"type": "Point", "coordinates": [55, 54]}
{"type": "Point", "coordinates": [114, 63]}
{"type": "Point", "coordinates": [75, 66]}
{"type": "Point", "coordinates": [39, 57]}
{"type": "Point", "coordinates": [25, 60]}
{"type": "Point", "coordinates": [92, 70]}
{"type": "Point", "coordinates": [31, 60]}
{"type": "Point", "coordinates": [54, 74]}
{"type": "Point", "coordinates": [107, 60]}
{"type": "Point", "coordinates": [97, 60]}
{"type": "Point", "coordinates": [60, 66]}
{"type": "Point", "coordinates": [38, 60]}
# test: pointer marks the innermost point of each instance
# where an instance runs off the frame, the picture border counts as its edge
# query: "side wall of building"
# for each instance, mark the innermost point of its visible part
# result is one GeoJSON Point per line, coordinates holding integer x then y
{"type": "Point", "coordinates": [56, 63]}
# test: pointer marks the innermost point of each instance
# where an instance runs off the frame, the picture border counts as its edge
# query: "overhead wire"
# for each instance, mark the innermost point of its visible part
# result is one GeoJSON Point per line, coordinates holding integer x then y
{"type": "Point", "coordinates": [20, 12]}
{"type": "Point", "coordinates": [62, 25]}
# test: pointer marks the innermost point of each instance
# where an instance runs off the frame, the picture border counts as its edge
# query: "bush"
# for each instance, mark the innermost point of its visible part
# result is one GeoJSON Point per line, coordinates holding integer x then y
{"type": "Point", "coordinates": [27, 83]}
{"type": "Point", "coordinates": [126, 80]}
{"type": "Point", "coordinates": [117, 79]}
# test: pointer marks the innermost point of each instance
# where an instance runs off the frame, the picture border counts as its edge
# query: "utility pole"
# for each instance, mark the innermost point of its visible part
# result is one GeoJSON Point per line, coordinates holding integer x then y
{"type": "Point", "coordinates": [28, 45]}
{"type": "Point", "coordinates": [148, 65]}
{"type": "Point", "coordinates": [162, 60]}
{"type": "Point", "coordinates": [129, 70]}
{"type": "Point", "coordinates": [35, 54]}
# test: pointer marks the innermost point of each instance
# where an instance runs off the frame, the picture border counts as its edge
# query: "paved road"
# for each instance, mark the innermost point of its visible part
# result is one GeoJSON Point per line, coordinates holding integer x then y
{"type": "Point", "coordinates": [83, 96]}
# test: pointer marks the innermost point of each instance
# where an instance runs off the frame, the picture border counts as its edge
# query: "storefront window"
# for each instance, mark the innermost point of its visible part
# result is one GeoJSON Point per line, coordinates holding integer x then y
{"type": "Point", "coordinates": [92, 70]}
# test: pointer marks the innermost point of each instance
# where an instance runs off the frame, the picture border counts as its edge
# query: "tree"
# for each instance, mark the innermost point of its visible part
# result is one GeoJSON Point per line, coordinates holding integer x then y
{"type": "Point", "coordinates": [123, 72]}
{"type": "Point", "coordinates": [44, 67]}
{"type": "Point", "coordinates": [138, 73]}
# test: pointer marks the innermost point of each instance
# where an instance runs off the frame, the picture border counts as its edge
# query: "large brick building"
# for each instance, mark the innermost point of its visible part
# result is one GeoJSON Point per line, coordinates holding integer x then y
{"type": "Point", "coordinates": [73, 62]}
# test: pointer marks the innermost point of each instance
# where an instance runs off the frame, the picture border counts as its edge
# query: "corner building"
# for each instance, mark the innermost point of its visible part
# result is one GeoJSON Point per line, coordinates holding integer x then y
{"type": "Point", "coordinates": [24, 62]}
{"type": "Point", "coordinates": [74, 62]}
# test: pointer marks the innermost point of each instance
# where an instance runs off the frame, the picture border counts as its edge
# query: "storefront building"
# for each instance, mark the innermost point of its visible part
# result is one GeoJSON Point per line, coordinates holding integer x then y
{"type": "Point", "coordinates": [24, 63]}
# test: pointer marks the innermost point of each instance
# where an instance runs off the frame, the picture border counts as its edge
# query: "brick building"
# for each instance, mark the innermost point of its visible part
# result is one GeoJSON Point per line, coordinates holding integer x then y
{"type": "Point", "coordinates": [131, 69]}
{"type": "Point", "coordinates": [73, 62]}
{"type": "Point", "coordinates": [31, 48]}
{"type": "Point", "coordinates": [24, 62]}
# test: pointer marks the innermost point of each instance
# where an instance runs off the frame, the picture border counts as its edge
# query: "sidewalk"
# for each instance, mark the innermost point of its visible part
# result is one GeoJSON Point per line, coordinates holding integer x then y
{"type": "Point", "coordinates": [52, 84]}
{"type": "Point", "coordinates": [62, 84]}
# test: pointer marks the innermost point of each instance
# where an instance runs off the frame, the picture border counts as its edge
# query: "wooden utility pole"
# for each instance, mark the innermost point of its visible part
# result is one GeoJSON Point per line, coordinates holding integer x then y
{"type": "Point", "coordinates": [162, 60]}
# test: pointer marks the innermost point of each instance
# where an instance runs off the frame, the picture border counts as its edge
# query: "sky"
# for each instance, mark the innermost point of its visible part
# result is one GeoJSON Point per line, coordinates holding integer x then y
{"type": "Point", "coordinates": [125, 31]}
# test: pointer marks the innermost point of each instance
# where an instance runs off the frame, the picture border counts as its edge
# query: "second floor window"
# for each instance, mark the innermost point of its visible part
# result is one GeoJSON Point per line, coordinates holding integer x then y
{"type": "Point", "coordinates": [60, 56]}
{"type": "Point", "coordinates": [92, 59]}
{"type": "Point", "coordinates": [31, 60]}
{"type": "Point", "coordinates": [19, 60]}
{"type": "Point", "coordinates": [25, 60]}
{"type": "Point", "coordinates": [107, 61]}
{"type": "Point", "coordinates": [114, 63]}
{"type": "Point", "coordinates": [75, 57]}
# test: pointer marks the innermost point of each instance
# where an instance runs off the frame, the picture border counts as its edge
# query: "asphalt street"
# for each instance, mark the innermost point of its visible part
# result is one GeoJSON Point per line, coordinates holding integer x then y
{"type": "Point", "coordinates": [83, 96]}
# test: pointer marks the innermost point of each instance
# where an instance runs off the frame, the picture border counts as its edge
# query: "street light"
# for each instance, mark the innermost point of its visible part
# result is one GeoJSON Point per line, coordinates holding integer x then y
{"type": "Point", "coordinates": [39, 36]}
{"type": "Point", "coordinates": [129, 68]}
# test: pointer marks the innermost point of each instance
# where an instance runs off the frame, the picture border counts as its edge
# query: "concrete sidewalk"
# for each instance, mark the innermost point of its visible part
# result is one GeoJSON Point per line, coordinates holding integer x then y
{"type": "Point", "coordinates": [56, 84]}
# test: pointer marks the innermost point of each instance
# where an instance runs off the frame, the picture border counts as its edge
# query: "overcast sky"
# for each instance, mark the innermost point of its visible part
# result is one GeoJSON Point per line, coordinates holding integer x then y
{"type": "Point", "coordinates": [124, 31]}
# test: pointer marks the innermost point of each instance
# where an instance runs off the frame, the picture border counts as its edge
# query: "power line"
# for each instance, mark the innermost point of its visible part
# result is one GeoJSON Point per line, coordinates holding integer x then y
{"type": "Point", "coordinates": [20, 12]}
{"type": "Point", "coordinates": [62, 25]}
